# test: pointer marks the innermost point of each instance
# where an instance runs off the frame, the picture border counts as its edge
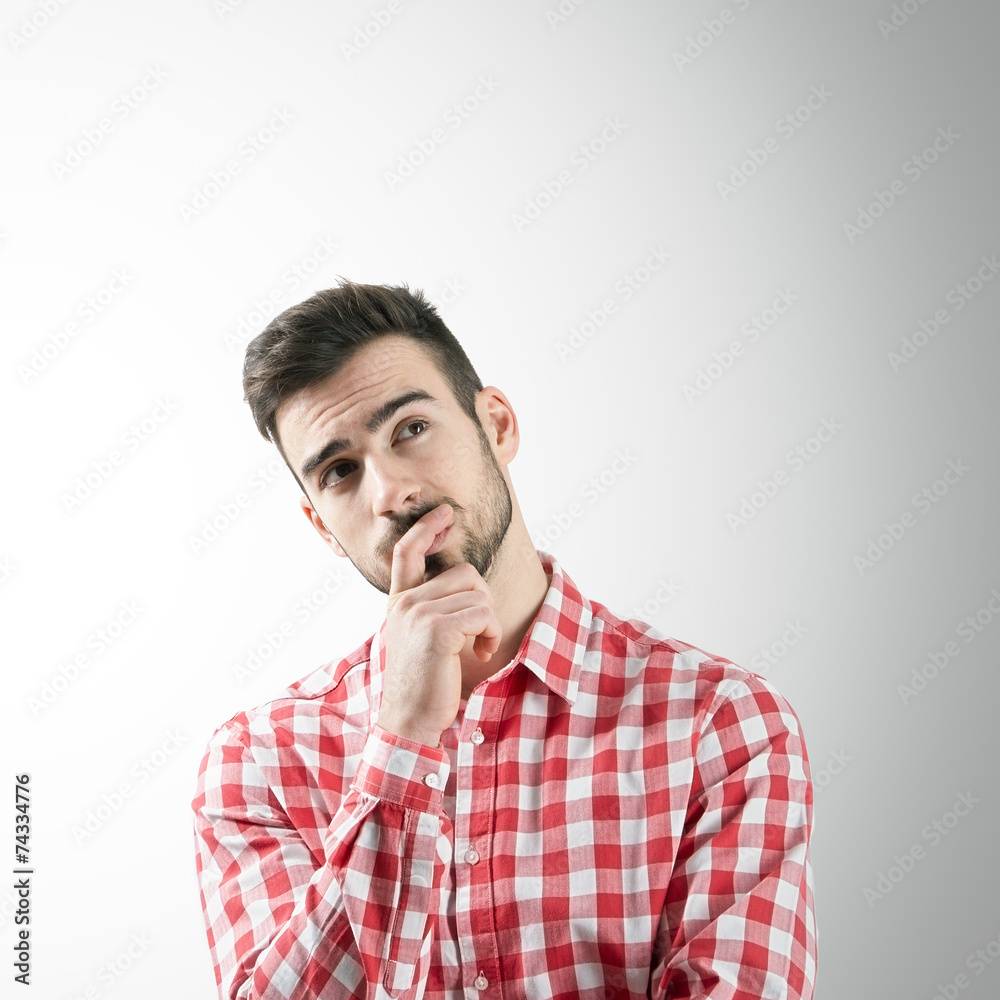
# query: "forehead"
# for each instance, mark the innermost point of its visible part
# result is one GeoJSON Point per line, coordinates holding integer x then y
{"type": "Point", "coordinates": [339, 404]}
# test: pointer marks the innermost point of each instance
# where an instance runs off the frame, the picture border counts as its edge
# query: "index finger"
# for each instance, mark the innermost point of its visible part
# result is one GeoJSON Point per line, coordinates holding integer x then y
{"type": "Point", "coordinates": [408, 553]}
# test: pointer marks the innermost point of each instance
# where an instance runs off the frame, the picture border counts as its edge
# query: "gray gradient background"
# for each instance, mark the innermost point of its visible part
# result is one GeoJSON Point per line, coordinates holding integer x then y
{"type": "Point", "coordinates": [884, 769]}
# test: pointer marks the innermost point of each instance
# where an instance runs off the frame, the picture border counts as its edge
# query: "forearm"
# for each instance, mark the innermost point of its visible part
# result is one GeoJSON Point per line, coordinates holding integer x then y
{"type": "Point", "coordinates": [281, 922]}
{"type": "Point", "coordinates": [739, 922]}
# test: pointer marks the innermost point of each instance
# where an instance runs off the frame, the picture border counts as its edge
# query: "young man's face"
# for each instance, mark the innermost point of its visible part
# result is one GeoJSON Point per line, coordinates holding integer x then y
{"type": "Point", "coordinates": [367, 484]}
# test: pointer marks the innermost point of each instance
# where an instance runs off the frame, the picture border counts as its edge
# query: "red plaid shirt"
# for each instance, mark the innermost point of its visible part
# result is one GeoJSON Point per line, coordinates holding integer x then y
{"type": "Point", "coordinates": [613, 814]}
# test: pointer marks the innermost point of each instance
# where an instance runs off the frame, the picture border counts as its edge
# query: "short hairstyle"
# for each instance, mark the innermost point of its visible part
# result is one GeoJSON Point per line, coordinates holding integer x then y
{"type": "Point", "coordinates": [309, 342]}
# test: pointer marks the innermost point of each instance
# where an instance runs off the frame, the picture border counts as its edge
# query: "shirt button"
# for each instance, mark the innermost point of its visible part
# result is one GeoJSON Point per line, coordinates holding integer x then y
{"type": "Point", "coordinates": [480, 982]}
{"type": "Point", "coordinates": [472, 856]}
{"type": "Point", "coordinates": [477, 737]}
{"type": "Point", "coordinates": [431, 780]}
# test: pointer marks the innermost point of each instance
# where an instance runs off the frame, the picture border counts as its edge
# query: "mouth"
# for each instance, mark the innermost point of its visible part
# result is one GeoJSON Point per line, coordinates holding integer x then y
{"type": "Point", "coordinates": [438, 541]}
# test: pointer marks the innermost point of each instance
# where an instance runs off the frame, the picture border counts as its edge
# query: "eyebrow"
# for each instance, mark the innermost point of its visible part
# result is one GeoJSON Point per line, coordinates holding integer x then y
{"type": "Point", "coordinates": [378, 417]}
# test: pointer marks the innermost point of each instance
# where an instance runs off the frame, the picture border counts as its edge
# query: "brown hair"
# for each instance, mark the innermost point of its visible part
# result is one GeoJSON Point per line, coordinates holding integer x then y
{"type": "Point", "coordinates": [311, 341]}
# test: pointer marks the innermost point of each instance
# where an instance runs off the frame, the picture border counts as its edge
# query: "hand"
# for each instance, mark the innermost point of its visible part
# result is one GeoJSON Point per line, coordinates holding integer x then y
{"type": "Point", "coordinates": [427, 627]}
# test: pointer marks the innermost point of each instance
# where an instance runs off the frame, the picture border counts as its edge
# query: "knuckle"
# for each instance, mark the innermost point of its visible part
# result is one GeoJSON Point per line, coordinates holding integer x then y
{"type": "Point", "coordinates": [405, 601]}
{"type": "Point", "coordinates": [402, 548]}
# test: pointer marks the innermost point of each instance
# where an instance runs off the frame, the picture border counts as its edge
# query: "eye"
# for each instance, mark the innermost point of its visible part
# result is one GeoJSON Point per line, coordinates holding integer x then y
{"type": "Point", "coordinates": [326, 480]}
{"type": "Point", "coordinates": [413, 423]}
{"type": "Point", "coordinates": [336, 473]}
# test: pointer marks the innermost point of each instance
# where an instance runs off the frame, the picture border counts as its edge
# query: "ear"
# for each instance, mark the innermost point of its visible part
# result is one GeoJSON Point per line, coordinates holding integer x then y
{"type": "Point", "coordinates": [317, 522]}
{"type": "Point", "coordinates": [500, 422]}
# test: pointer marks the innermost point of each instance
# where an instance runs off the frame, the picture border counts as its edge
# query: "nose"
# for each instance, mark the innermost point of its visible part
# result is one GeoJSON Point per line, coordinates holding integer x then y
{"type": "Point", "coordinates": [394, 487]}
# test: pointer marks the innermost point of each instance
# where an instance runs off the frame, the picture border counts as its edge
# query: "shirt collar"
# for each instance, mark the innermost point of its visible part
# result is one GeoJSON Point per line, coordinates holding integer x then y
{"type": "Point", "coordinates": [553, 646]}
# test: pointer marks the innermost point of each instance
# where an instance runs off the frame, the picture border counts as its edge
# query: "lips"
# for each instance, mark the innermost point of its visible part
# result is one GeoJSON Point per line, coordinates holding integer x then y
{"type": "Point", "coordinates": [438, 541]}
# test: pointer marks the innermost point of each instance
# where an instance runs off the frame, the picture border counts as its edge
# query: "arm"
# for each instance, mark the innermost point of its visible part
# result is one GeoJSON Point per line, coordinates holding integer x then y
{"type": "Point", "coordinates": [283, 923]}
{"type": "Point", "coordinates": [358, 921]}
{"type": "Point", "coordinates": [738, 922]}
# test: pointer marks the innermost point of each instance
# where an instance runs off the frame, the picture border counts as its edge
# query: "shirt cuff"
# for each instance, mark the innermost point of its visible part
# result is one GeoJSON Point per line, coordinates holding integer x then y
{"type": "Point", "coordinates": [402, 771]}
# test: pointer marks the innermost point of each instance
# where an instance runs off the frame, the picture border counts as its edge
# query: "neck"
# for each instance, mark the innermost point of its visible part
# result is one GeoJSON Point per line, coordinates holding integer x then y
{"type": "Point", "coordinates": [519, 584]}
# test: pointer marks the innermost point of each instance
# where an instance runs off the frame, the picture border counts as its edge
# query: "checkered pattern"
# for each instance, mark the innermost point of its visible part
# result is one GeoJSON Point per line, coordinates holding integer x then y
{"type": "Point", "coordinates": [613, 814]}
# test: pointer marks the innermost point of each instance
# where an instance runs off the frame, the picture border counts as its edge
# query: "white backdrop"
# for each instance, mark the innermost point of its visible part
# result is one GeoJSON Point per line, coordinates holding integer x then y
{"type": "Point", "coordinates": [733, 266]}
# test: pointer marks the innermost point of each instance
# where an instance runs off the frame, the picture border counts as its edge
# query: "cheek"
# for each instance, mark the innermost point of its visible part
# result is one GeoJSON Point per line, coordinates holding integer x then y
{"type": "Point", "coordinates": [460, 461]}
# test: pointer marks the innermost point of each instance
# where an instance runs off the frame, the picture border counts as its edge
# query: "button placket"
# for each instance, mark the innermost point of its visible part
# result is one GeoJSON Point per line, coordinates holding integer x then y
{"type": "Point", "coordinates": [475, 762]}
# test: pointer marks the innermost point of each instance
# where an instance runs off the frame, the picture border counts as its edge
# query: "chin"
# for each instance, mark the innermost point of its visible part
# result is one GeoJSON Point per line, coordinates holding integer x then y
{"type": "Point", "coordinates": [435, 564]}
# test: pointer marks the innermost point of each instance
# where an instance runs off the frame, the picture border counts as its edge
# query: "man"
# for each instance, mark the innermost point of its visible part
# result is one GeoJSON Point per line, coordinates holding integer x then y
{"type": "Point", "coordinates": [507, 791]}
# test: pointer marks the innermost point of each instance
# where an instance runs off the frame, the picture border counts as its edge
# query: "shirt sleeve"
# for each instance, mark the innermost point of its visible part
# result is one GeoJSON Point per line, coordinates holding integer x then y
{"type": "Point", "coordinates": [739, 919]}
{"type": "Point", "coordinates": [358, 922]}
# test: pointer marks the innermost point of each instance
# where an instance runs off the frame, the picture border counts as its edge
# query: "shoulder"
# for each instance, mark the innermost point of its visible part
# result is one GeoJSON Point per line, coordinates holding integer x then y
{"type": "Point", "coordinates": [702, 686]}
{"type": "Point", "coordinates": [336, 688]}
